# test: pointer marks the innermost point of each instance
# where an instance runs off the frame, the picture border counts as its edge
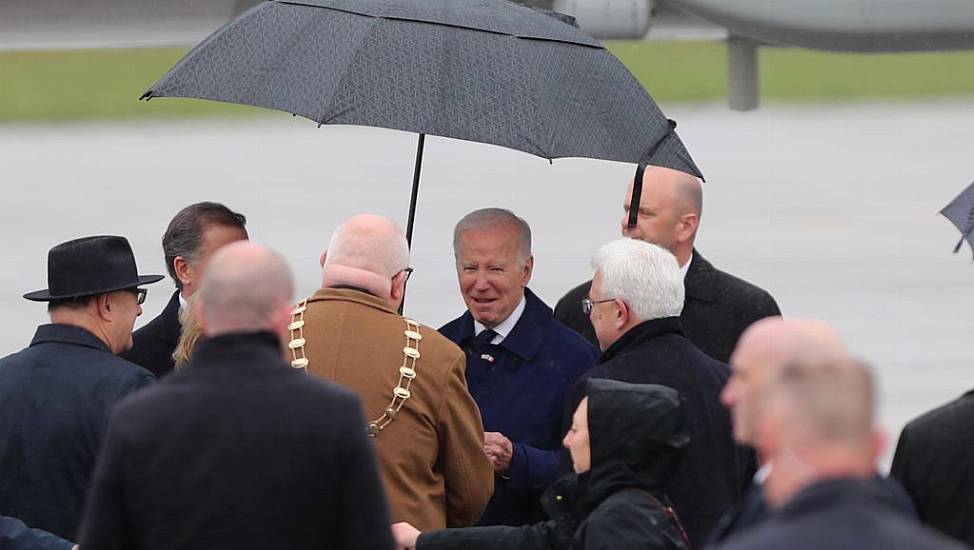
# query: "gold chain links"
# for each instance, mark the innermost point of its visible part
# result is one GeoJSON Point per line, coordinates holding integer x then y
{"type": "Point", "coordinates": [298, 359]}
{"type": "Point", "coordinates": [407, 371]}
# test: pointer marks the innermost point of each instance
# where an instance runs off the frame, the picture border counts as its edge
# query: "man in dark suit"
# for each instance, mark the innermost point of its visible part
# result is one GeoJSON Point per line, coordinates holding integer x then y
{"type": "Point", "coordinates": [635, 305]}
{"type": "Point", "coordinates": [718, 306]}
{"type": "Point", "coordinates": [238, 449]}
{"type": "Point", "coordinates": [193, 235]}
{"type": "Point", "coordinates": [934, 461]}
{"type": "Point", "coordinates": [521, 363]}
{"type": "Point", "coordinates": [56, 395]}
{"type": "Point", "coordinates": [818, 432]}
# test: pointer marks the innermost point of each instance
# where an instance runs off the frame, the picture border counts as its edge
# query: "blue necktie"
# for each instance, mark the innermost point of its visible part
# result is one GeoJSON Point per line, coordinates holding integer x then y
{"type": "Point", "coordinates": [482, 340]}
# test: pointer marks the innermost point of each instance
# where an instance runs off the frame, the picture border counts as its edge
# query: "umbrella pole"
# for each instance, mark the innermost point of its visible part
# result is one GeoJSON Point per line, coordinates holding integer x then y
{"type": "Point", "coordinates": [412, 203]}
{"type": "Point", "coordinates": [412, 199]}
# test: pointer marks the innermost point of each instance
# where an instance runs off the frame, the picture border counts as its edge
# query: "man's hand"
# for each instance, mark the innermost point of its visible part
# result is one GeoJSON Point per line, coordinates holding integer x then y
{"type": "Point", "coordinates": [405, 535]}
{"type": "Point", "coordinates": [499, 450]}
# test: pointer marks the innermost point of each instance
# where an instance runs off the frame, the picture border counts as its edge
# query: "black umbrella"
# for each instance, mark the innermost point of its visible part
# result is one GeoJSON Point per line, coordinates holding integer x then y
{"type": "Point", "coordinates": [960, 212]}
{"type": "Point", "coordinates": [489, 71]}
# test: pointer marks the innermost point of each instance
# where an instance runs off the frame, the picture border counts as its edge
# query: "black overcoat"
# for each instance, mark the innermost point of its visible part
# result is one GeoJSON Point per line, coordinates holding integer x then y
{"type": "Point", "coordinates": [716, 470]}
{"type": "Point", "coordinates": [156, 341]}
{"type": "Point", "coordinates": [840, 514]}
{"type": "Point", "coordinates": [55, 400]}
{"type": "Point", "coordinates": [934, 461]}
{"type": "Point", "coordinates": [238, 450]}
{"type": "Point", "coordinates": [717, 308]}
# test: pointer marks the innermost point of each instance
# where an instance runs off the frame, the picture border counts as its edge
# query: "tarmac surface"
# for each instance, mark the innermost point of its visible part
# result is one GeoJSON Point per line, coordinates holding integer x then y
{"type": "Point", "coordinates": [832, 208]}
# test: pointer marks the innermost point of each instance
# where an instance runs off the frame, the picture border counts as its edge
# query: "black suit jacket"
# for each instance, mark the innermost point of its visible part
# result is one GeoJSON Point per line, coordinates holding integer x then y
{"type": "Point", "coordinates": [715, 472]}
{"type": "Point", "coordinates": [934, 461]}
{"type": "Point", "coordinates": [716, 310]}
{"type": "Point", "coordinates": [238, 450]}
{"type": "Point", "coordinates": [155, 342]}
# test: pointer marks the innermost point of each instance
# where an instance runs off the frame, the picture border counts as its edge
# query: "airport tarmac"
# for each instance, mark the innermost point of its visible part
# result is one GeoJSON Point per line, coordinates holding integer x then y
{"type": "Point", "coordinates": [832, 208]}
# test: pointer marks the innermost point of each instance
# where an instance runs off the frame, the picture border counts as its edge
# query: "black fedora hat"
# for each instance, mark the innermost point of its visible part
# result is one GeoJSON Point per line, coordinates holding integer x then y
{"type": "Point", "coordinates": [88, 266]}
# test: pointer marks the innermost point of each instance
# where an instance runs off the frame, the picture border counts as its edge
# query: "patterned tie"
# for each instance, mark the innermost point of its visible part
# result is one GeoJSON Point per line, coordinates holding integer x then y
{"type": "Point", "coordinates": [480, 342]}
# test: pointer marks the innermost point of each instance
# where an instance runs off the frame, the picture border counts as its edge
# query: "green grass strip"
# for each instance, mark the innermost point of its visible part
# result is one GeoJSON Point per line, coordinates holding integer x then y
{"type": "Point", "coordinates": [105, 84]}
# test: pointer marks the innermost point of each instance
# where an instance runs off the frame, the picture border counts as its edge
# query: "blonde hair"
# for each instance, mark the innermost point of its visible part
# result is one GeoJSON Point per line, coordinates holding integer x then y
{"type": "Point", "coordinates": [190, 334]}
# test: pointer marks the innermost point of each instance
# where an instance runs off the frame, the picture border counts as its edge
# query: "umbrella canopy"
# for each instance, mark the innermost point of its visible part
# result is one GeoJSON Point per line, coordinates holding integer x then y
{"type": "Point", "coordinates": [489, 71]}
{"type": "Point", "coordinates": [960, 212]}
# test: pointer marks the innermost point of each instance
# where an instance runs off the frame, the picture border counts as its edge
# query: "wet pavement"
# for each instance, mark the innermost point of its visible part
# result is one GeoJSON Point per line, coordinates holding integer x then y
{"type": "Point", "coordinates": [833, 209]}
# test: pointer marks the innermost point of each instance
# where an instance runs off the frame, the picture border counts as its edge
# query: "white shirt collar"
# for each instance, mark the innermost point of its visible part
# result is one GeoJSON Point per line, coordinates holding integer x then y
{"type": "Point", "coordinates": [183, 304]}
{"type": "Point", "coordinates": [686, 267]}
{"type": "Point", "coordinates": [762, 474]}
{"type": "Point", "coordinates": [506, 326]}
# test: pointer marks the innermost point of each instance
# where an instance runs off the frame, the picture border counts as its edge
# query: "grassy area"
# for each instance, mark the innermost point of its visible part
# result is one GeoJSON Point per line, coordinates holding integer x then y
{"type": "Point", "coordinates": [67, 85]}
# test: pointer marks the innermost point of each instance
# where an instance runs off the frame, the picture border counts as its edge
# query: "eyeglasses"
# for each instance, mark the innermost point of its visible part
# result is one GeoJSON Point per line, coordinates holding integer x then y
{"type": "Point", "coordinates": [140, 294]}
{"type": "Point", "coordinates": [408, 271]}
{"type": "Point", "coordinates": [588, 304]}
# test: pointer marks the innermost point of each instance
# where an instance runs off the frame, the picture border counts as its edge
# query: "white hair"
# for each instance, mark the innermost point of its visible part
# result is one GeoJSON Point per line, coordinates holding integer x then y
{"type": "Point", "coordinates": [643, 275]}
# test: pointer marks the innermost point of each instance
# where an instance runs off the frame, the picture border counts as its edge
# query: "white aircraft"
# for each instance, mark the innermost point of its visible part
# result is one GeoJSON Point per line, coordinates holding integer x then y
{"type": "Point", "coordinates": [834, 25]}
{"type": "Point", "coordinates": [746, 25]}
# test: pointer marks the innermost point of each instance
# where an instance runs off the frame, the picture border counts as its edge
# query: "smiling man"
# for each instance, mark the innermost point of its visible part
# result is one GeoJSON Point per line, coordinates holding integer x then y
{"type": "Point", "coordinates": [521, 362]}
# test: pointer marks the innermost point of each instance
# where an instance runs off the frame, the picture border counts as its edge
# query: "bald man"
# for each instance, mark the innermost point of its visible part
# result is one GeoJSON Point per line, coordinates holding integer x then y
{"type": "Point", "coordinates": [237, 449]}
{"type": "Point", "coordinates": [764, 350]}
{"type": "Point", "coordinates": [818, 430]}
{"type": "Point", "coordinates": [718, 306]}
{"type": "Point", "coordinates": [426, 427]}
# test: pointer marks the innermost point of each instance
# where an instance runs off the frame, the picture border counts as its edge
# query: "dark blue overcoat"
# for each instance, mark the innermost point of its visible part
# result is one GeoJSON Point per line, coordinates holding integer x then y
{"type": "Point", "coordinates": [55, 400]}
{"type": "Point", "coordinates": [521, 393]}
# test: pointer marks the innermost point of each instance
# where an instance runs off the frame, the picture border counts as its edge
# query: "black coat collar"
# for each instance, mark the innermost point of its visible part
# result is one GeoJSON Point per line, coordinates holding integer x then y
{"type": "Point", "coordinates": [698, 281]}
{"type": "Point", "coordinates": [68, 334]}
{"type": "Point", "coordinates": [260, 348]}
{"type": "Point", "coordinates": [647, 330]}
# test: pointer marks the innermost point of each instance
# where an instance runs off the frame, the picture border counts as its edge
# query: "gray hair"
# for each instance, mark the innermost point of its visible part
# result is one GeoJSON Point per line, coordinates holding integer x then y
{"type": "Point", "coordinates": [643, 275]}
{"type": "Point", "coordinates": [495, 218]}
{"type": "Point", "coordinates": [244, 287]}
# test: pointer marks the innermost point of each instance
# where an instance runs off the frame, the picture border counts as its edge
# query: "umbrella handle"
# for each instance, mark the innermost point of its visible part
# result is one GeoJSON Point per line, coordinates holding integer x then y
{"type": "Point", "coordinates": [412, 205]}
{"type": "Point", "coordinates": [637, 193]}
{"type": "Point", "coordinates": [415, 194]}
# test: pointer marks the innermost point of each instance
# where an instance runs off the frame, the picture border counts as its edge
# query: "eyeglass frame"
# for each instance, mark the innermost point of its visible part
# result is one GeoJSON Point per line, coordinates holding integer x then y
{"type": "Point", "coordinates": [588, 304]}
{"type": "Point", "coordinates": [408, 271]}
{"type": "Point", "coordinates": [140, 294]}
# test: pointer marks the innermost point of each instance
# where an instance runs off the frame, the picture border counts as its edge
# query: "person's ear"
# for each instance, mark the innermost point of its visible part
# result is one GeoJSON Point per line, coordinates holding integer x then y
{"type": "Point", "coordinates": [103, 306]}
{"type": "Point", "coordinates": [321, 260]}
{"type": "Point", "coordinates": [622, 314]}
{"type": "Point", "coordinates": [528, 269]}
{"type": "Point", "coordinates": [398, 288]}
{"type": "Point", "coordinates": [687, 228]}
{"type": "Point", "coordinates": [878, 443]}
{"type": "Point", "coordinates": [183, 270]}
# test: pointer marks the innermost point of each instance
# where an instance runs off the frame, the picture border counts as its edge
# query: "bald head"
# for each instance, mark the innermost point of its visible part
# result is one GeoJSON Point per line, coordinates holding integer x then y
{"type": "Point", "coordinates": [763, 349]}
{"type": "Point", "coordinates": [670, 207]}
{"type": "Point", "coordinates": [247, 287]}
{"type": "Point", "coordinates": [366, 251]}
{"type": "Point", "coordinates": [819, 425]}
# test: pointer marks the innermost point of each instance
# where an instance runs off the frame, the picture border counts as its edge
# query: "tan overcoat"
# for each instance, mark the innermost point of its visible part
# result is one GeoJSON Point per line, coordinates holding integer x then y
{"type": "Point", "coordinates": [431, 455]}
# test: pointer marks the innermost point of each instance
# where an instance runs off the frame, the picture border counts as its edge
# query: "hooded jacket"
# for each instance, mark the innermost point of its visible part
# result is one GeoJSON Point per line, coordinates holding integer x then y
{"type": "Point", "coordinates": [637, 435]}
